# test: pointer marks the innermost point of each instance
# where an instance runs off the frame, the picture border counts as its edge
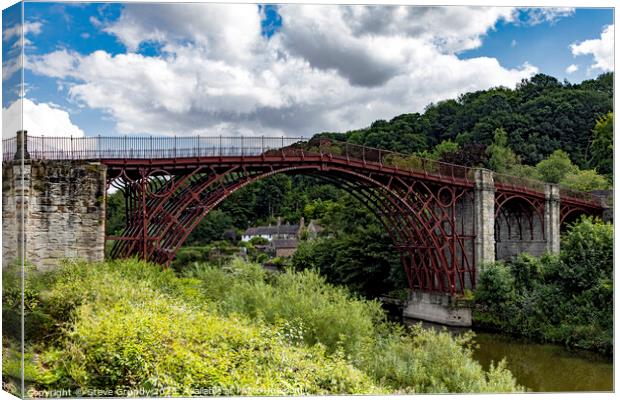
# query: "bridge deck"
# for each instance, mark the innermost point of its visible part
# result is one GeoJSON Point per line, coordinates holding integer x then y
{"type": "Point", "coordinates": [184, 152]}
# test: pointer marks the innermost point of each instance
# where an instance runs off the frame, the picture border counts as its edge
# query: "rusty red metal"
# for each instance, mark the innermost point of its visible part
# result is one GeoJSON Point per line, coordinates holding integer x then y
{"type": "Point", "coordinates": [426, 206]}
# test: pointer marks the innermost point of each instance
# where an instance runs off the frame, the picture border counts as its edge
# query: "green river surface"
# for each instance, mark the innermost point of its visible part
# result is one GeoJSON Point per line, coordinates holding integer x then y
{"type": "Point", "coordinates": [539, 367]}
{"type": "Point", "coordinates": [546, 367]}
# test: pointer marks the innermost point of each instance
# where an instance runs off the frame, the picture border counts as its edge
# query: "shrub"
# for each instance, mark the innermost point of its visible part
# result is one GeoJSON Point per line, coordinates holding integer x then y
{"type": "Point", "coordinates": [566, 299]}
{"type": "Point", "coordinates": [329, 315]}
{"type": "Point", "coordinates": [585, 180]}
{"type": "Point", "coordinates": [169, 348]}
{"type": "Point", "coordinates": [424, 361]}
{"type": "Point", "coordinates": [496, 284]}
{"type": "Point", "coordinates": [129, 325]}
{"type": "Point", "coordinates": [37, 323]}
{"type": "Point", "coordinates": [527, 271]}
{"type": "Point", "coordinates": [587, 253]}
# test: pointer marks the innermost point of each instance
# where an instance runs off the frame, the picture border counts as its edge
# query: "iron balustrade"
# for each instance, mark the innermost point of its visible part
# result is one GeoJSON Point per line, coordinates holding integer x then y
{"type": "Point", "coordinates": [153, 147]}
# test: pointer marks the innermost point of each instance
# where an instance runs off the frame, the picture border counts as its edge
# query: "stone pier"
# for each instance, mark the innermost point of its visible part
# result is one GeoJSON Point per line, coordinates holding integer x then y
{"type": "Point", "coordinates": [484, 218]}
{"type": "Point", "coordinates": [59, 205]}
{"type": "Point", "coordinates": [436, 307]}
{"type": "Point", "coordinates": [552, 219]}
{"type": "Point", "coordinates": [443, 308]}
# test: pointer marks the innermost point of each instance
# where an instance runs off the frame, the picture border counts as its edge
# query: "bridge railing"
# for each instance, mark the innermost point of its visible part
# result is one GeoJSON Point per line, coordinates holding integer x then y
{"type": "Point", "coordinates": [518, 182]}
{"type": "Point", "coordinates": [9, 148]}
{"type": "Point", "coordinates": [588, 197]}
{"type": "Point", "coordinates": [152, 147]}
{"type": "Point", "coordinates": [408, 162]}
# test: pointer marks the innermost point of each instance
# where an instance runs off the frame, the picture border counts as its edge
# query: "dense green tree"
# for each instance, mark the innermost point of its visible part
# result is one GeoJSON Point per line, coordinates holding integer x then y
{"type": "Point", "coordinates": [364, 261]}
{"type": "Point", "coordinates": [587, 254]}
{"type": "Point", "coordinates": [501, 157]}
{"type": "Point", "coordinates": [270, 195]}
{"type": "Point", "coordinates": [585, 180]}
{"type": "Point", "coordinates": [115, 213]}
{"type": "Point", "coordinates": [556, 167]}
{"type": "Point", "coordinates": [445, 149]}
{"type": "Point", "coordinates": [604, 83]}
{"type": "Point", "coordinates": [540, 115]}
{"type": "Point", "coordinates": [602, 149]}
{"type": "Point", "coordinates": [211, 228]}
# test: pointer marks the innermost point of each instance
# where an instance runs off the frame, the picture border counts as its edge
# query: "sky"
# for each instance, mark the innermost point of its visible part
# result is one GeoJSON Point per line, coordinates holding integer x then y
{"type": "Point", "coordinates": [295, 70]}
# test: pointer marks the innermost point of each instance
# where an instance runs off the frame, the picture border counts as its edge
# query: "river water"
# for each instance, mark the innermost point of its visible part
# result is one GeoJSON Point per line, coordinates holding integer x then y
{"type": "Point", "coordinates": [540, 367]}
{"type": "Point", "coordinates": [545, 367]}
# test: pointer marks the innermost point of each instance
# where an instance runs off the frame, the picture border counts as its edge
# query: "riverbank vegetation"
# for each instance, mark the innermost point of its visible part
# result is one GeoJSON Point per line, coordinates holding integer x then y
{"type": "Point", "coordinates": [566, 299]}
{"type": "Point", "coordinates": [131, 327]}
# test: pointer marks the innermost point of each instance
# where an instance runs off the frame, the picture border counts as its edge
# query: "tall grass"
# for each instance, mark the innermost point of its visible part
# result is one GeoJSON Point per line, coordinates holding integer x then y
{"type": "Point", "coordinates": [406, 361]}
{"type": "Point", "coordinates": [128, 325]}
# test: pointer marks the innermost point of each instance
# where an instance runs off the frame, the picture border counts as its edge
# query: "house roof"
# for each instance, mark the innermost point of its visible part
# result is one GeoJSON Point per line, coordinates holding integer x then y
{"type": "Point", "coordinates": [284, 243]}
{"type": "Point", "coordinates": [272, 230]}
{"type": "Point", "coordinates": [314, 227]}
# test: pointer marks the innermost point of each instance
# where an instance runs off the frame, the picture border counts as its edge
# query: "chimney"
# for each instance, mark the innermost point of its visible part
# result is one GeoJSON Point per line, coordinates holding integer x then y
{"type": "Point", "coordinates": [302, 223]}
{"type": "Point", "coordinates": [279, 221]}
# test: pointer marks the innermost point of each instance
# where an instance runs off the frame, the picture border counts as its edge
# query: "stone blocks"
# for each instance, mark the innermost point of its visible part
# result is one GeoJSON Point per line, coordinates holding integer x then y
{"type": "Point", "coordinates": [62, 204]}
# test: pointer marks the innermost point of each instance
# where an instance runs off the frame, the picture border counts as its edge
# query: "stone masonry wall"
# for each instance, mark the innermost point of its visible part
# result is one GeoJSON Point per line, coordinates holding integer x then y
{"type": "Point", "coordinates": [64, 212]}
{"type": "Point", "coordinates": [10, 230]}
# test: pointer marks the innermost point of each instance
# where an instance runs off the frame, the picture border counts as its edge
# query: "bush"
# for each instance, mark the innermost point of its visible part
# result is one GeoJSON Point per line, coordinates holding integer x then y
{"type": "Point", "coordinates": [172, 349]}
{"type": "Point", "coordinates": [129, 325]}
{"type": "Point", "coordinates": [585, 181]}
{"type": "Point", "coordinates": [496, 284]}
{"type": "Point", "coordinates": [527, 271]}
{"type": "Point", "coordinates": [38, 324]}
{"type": "Point", "coordinates": [566, 299]}
{"type": "Point", "coordinates": [587, 253]}
{"type": "Point", "coordinates": [424, 361]}
{"type": "Point", "coordinates": [331, 316]}
{"type": "Point", "coordinates": [405, 361]}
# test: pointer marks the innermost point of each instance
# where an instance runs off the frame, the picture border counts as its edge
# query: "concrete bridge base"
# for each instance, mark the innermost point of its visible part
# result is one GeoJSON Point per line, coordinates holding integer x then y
{"type": "Point", "coordinates": [438, 308]}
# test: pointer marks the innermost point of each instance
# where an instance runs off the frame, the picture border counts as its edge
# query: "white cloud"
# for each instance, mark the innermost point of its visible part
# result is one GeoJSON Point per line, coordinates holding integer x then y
{"type": "Point", "coordinates": [601, 49]}
{"type": "Point", "coordinates": [39, 119]}
{"type": "Point", "coordinates": [328, 68]}
{"type": "Point", "coordinates": [571, 69]}
{"type": "Point", "coordinates": [57, 64]}
{"type": "Point", "coordinates": [513, 43]}
{"type": "Point", "coordinates": [369, 45]}
{"type": "Point", "coordinates": [16, 30]}
{"type": "Point", "coordinates": [225, 31]}
{"type": "Point", "coordinates": [10, 66]}
{"type": "Point", "coordinates": [537, 16]}
{"type": "Point", "coordinates": [11, 61]}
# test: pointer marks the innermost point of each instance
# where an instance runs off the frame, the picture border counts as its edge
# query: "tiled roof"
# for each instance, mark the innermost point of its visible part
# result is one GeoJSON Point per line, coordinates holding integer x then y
{"type": "Point", "coordinates": [284, 243]}
{"type": "Point", "coordinates": [272, 230]}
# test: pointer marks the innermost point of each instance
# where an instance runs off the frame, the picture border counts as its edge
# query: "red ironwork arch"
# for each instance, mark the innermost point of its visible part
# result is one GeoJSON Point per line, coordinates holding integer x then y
{"type": "Point", "coordinates": [162, 216]}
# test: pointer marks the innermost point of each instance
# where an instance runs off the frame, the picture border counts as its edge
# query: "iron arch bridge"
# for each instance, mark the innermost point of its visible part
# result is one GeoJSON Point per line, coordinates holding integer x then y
{"type": "Point", "coordinates": [437, 214]}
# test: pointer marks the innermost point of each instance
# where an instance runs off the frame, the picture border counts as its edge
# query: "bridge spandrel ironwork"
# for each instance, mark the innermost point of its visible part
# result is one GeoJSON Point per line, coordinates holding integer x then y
{"type": "Point", "coordinates": [171, 183]}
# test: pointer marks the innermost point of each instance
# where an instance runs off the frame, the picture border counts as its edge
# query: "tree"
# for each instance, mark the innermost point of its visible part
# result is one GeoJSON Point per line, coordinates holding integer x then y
{"type": "Point", "coordinates": [211, 228]}
{"type": "Point", "coordinates": [585, 181]}
{"type": "Point", "coordinates": [602, 149]}
{"type": "Point", "coordinates": [556, 167]}
{"type": "Point", "coordinates": [587, 253]}
{"type": "Point", "coordinates": [115, 213]}
{"type": "Point", "coordinates": [445, 149]}
{"type": "Point", "coordinates": [501, 157]}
